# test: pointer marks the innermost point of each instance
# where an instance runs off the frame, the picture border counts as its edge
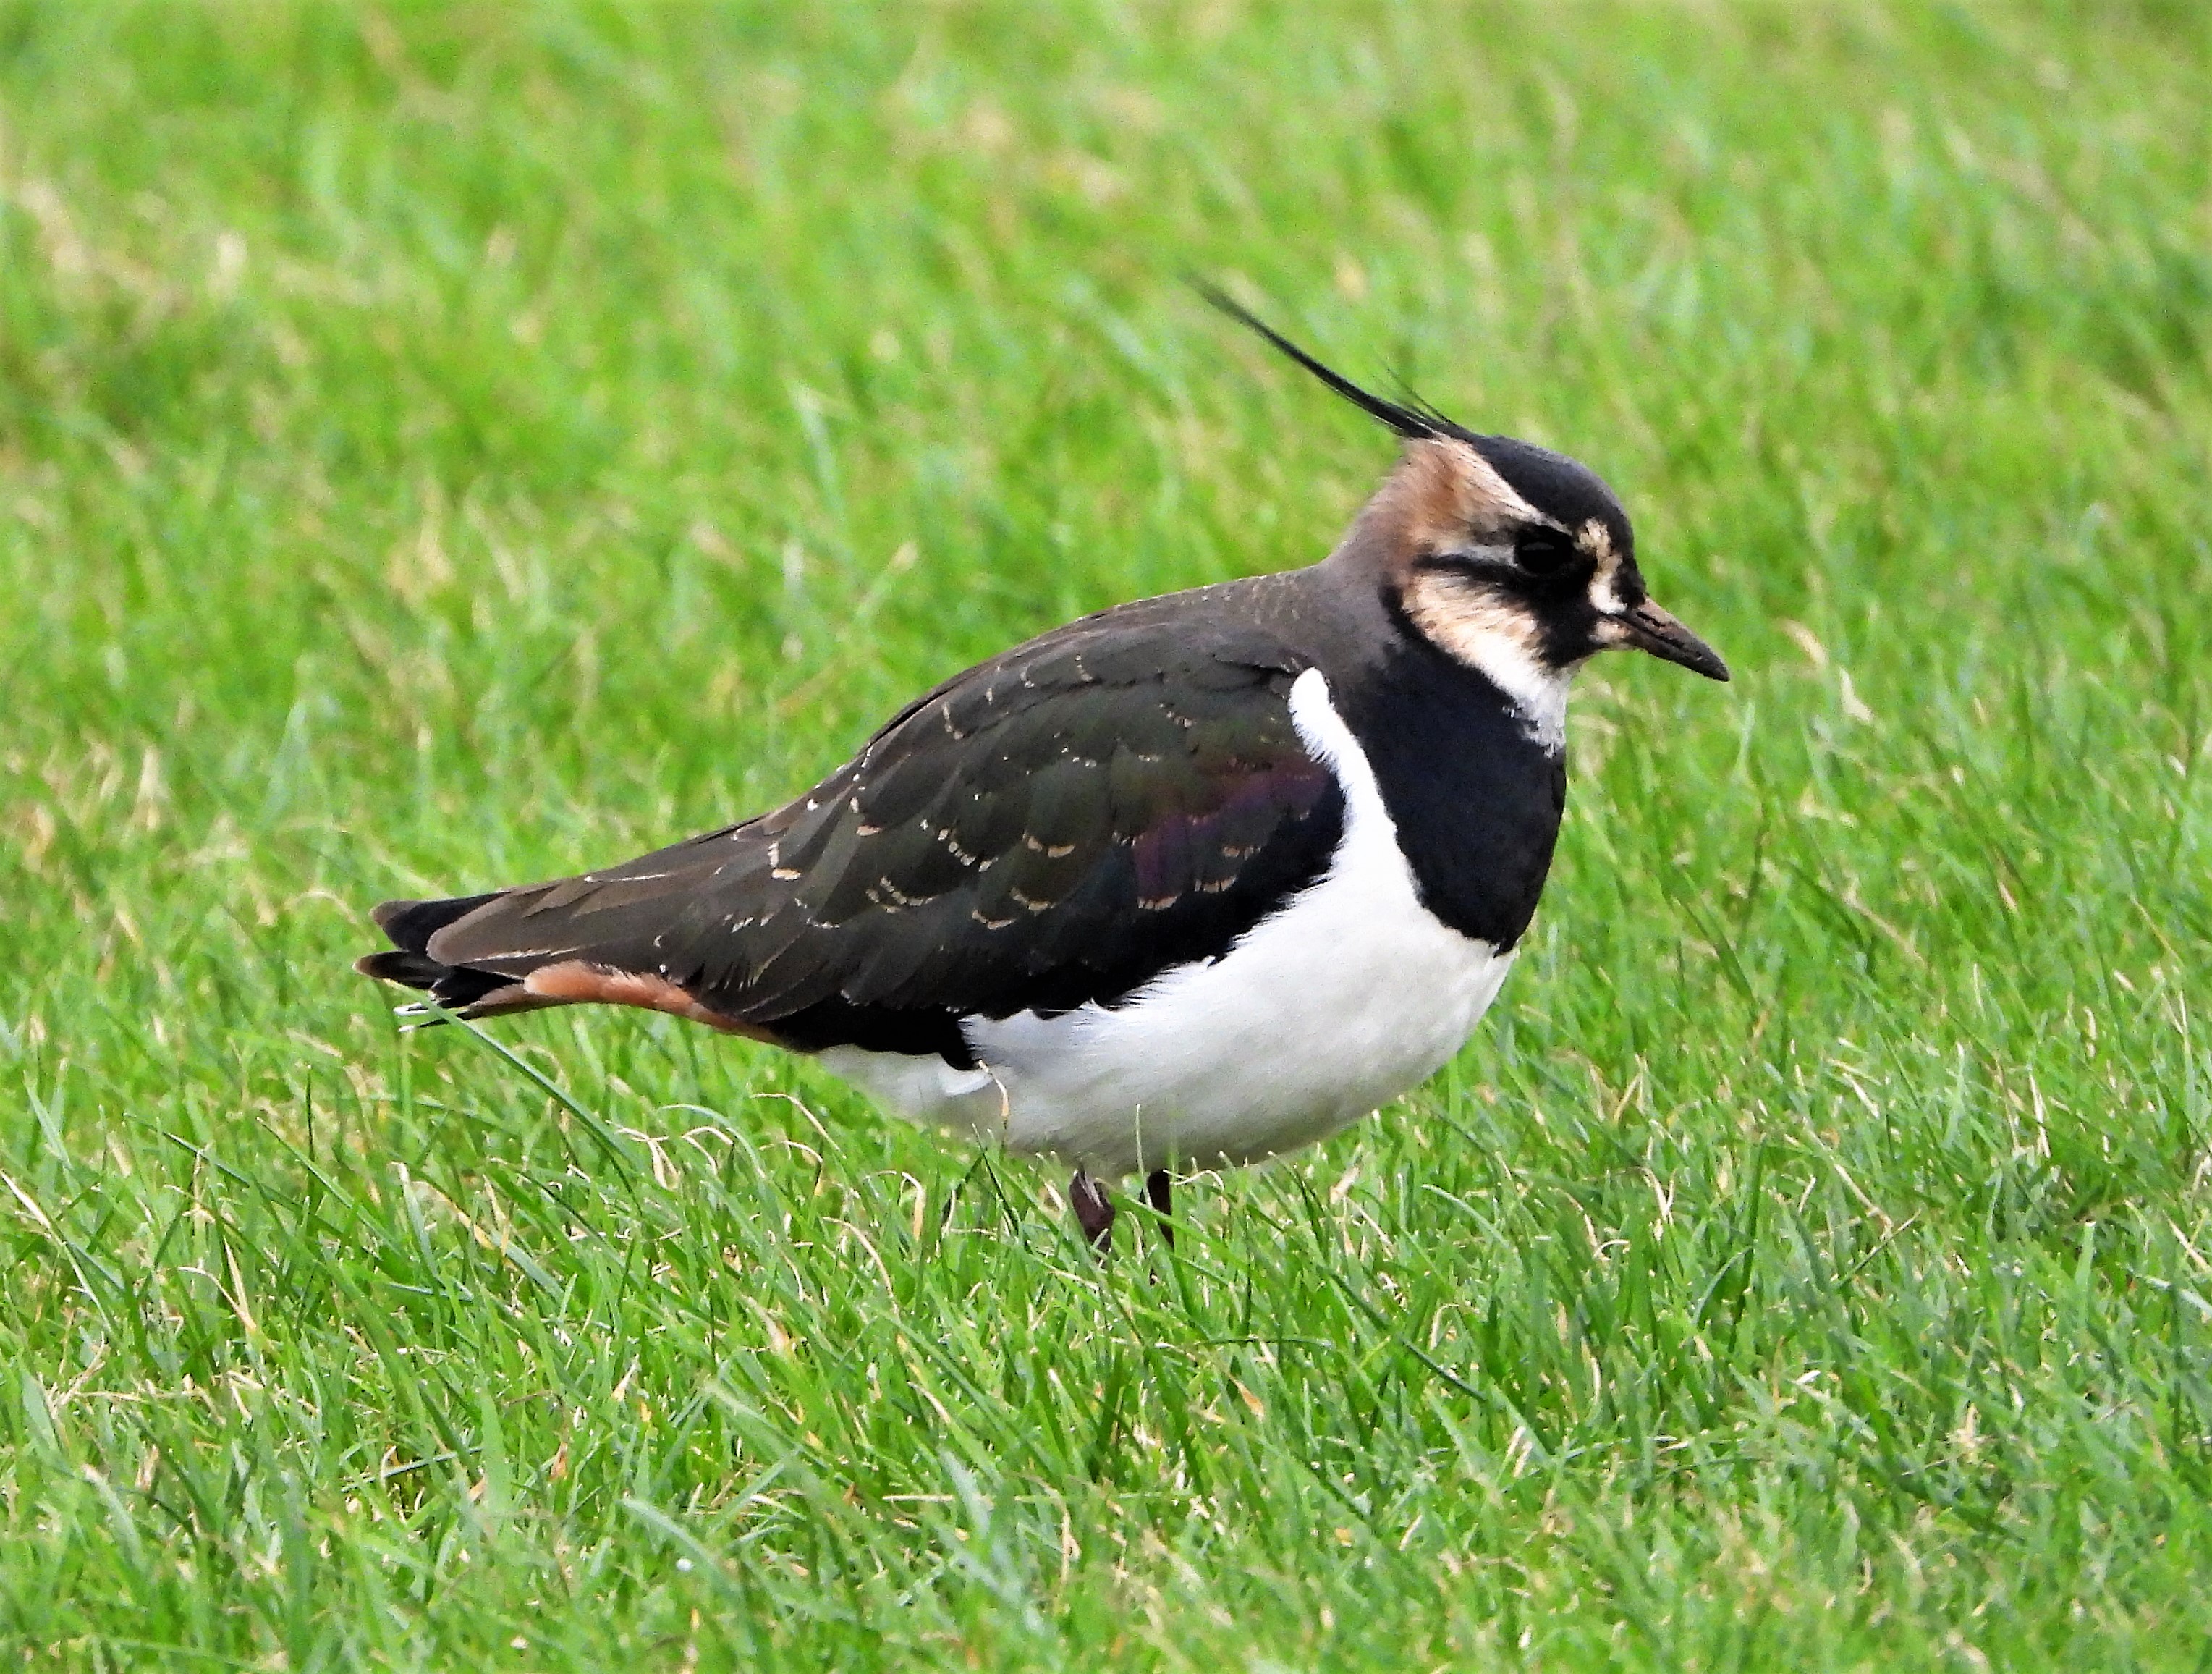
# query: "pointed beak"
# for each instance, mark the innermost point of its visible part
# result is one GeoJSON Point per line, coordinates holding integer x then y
{"type": "Point", "coordinates": [1647, 628]}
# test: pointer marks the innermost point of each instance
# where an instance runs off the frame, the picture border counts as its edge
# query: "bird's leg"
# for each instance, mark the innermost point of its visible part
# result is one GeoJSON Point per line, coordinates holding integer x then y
{"type": "Point", "coordinates": [1094, 1211]}
{"type": "Point", "coordinates": [1158, 1193]}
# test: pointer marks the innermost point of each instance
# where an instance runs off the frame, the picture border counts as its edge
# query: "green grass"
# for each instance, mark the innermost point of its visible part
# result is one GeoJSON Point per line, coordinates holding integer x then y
{"type": "Point", "coordinates": [440, 447]}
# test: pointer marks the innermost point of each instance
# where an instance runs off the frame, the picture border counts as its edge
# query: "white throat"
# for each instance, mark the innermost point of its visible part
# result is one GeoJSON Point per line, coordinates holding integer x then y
{"type": "Point", "coordinates": [1499, 645]}
{"type": "Point", "coordinates": [1487, 634]}
{"type": "Point", "coordinates": [1537, 690]}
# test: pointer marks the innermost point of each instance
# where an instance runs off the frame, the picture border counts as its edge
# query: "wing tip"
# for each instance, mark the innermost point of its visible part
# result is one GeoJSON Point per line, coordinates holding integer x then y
{"type": "Point", "coordinates": [411, 924]}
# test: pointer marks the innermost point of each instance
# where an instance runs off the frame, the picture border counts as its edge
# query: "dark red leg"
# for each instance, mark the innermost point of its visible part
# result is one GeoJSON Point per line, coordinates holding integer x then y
{"type": "Point", "coordinates": [1094, 1211]}
{"type": "Point", "coordinates": [1158, 1193]}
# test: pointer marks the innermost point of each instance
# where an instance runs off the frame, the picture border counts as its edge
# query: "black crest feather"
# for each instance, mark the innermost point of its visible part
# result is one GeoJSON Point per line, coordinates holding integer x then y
{"type": "Point", "coordinates": [1412, 422]}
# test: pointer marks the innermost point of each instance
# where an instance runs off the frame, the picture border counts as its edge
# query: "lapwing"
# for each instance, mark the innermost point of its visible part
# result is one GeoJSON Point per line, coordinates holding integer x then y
{"type": "Point", "coordinates": [1183, 884]}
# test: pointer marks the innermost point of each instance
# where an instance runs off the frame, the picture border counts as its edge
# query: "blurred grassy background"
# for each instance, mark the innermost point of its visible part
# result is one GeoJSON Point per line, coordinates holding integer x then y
{"type": "Point", "coordinates": [441, 446]}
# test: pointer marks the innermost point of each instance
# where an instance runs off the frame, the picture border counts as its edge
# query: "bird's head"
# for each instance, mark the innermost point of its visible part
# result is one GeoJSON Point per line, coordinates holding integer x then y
{"type": "Point", "coordinates": [1507, 556]}
{"type": "Point", "coordinates": [1501, 550]}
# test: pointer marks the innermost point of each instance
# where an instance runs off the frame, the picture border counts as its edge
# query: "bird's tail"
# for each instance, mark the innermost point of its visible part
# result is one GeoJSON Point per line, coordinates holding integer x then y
{"type": "Point", "coordinates": [461, 988]}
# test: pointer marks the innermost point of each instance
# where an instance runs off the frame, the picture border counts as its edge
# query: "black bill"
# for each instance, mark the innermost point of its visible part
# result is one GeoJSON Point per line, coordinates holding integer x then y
{"type": "Point", "coordinates": [1647, 628]}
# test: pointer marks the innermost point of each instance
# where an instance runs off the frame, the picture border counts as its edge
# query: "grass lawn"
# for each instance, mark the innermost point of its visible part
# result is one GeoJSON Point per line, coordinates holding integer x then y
{"type": "Point", "coordinates": [447, 445]}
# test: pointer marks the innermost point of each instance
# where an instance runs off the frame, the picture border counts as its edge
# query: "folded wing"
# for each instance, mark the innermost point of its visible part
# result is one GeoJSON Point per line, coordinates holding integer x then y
{"type": "Point", "coordinates": [1051, 829]}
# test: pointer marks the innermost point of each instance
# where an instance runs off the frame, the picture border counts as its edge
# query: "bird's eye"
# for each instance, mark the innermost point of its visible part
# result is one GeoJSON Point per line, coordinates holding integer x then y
{"type": "Point", "coordinates": [1543, 552]}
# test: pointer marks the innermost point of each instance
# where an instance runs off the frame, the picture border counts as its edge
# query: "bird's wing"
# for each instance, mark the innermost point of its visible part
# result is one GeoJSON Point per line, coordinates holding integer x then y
{"type": "Point", "coordinates": [1052, 828]}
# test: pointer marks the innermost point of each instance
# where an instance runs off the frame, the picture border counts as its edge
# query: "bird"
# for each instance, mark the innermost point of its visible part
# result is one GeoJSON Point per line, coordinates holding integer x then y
{"type": "Point", "coordinates": [1184, 885]}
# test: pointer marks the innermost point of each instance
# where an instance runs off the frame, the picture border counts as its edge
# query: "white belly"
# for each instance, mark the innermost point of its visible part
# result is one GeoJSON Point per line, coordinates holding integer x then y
{"type": "Point", "coordinates": [1347, 996]}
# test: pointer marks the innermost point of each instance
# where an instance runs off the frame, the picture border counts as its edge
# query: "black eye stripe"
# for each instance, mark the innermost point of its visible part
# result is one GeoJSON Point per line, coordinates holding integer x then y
{"type": "Point", "coordinates": [1460, 560]}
